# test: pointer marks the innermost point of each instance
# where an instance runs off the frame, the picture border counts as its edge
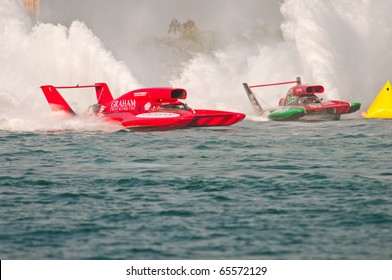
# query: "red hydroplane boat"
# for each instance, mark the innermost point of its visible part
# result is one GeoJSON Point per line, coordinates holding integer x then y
{"type": "Point", "coordinates": [301, 103]}
{"type": "Point", "coordinates": [147, 108]}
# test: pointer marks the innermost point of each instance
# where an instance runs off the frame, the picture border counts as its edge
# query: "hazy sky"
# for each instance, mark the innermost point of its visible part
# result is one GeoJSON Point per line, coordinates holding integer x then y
{"type": "Point", "coordinates": [124, 26]}
{"type": "Point", "coordinates": [122, 19]}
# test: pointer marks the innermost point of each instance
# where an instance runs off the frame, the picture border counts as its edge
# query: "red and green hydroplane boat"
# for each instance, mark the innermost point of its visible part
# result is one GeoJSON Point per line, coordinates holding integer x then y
{"type": "Point", "coordinates": [302, 103]}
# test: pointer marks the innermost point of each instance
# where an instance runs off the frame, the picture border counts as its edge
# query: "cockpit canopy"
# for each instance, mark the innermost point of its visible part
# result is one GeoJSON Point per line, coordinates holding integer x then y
{"type": "Point", "coordinates": [309, 99]}
{"type": "Point", "coordinates": [176, 106]}
{"type": "Point", "coordinates": [292, 99]}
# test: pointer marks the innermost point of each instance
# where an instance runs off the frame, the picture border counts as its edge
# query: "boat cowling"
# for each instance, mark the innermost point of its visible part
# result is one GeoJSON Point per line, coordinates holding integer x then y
{"type": "Point", "coordinates": [302, 90]}
{"type": "Point", "coordinates": [160, 94]}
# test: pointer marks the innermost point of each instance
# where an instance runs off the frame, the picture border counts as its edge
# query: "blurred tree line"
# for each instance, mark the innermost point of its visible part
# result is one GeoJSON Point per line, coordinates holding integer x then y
{"type": "Point", "coordinates": [185, 40]}
{"type": "Point", "coordinates": [188, 37]}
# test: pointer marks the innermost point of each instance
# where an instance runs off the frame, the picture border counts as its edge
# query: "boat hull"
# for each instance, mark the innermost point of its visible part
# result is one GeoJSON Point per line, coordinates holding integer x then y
{"type": "Point", "coordinates": [175, 119]}
{"type": "Point", "coordinates": [286, 113]}
{"type": "Point", "coordinates": [329, 111]}
{"type": "Point", "coordinates": [203, 118]}
{"type": "Point", "coordinates": [151, 121]}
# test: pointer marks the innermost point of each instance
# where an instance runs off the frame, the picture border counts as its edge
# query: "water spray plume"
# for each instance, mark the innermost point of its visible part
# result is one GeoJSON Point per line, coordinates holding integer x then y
{"type": "Point", "coordinates": [343, 45]}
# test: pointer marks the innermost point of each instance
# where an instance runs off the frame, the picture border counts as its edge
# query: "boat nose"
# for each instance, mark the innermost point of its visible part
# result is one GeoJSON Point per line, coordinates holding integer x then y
{"type": "Point", "coordinates": [240, 116]}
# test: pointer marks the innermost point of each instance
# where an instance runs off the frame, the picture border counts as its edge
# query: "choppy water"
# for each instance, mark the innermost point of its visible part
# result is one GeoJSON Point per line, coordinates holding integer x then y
{"type": "Point", "coordinates": [256, 190]}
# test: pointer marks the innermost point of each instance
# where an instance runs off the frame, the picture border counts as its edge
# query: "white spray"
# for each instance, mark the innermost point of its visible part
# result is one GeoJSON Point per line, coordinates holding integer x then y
{"type": "Point", "coordinates": [342, 44]}
{"type": "Point", "coordinates": [32, 56]}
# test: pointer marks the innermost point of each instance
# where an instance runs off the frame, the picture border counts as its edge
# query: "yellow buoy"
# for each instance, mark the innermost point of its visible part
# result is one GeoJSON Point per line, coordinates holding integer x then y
{"type": "Point", "coordinates": [381, 108]}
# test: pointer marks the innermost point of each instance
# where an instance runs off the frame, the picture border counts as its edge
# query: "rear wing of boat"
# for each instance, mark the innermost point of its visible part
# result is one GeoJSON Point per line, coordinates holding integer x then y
{"type": "Point", "coordinates": [58, 104]}
{"type": "Point", "coordinates": [253, 98]}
